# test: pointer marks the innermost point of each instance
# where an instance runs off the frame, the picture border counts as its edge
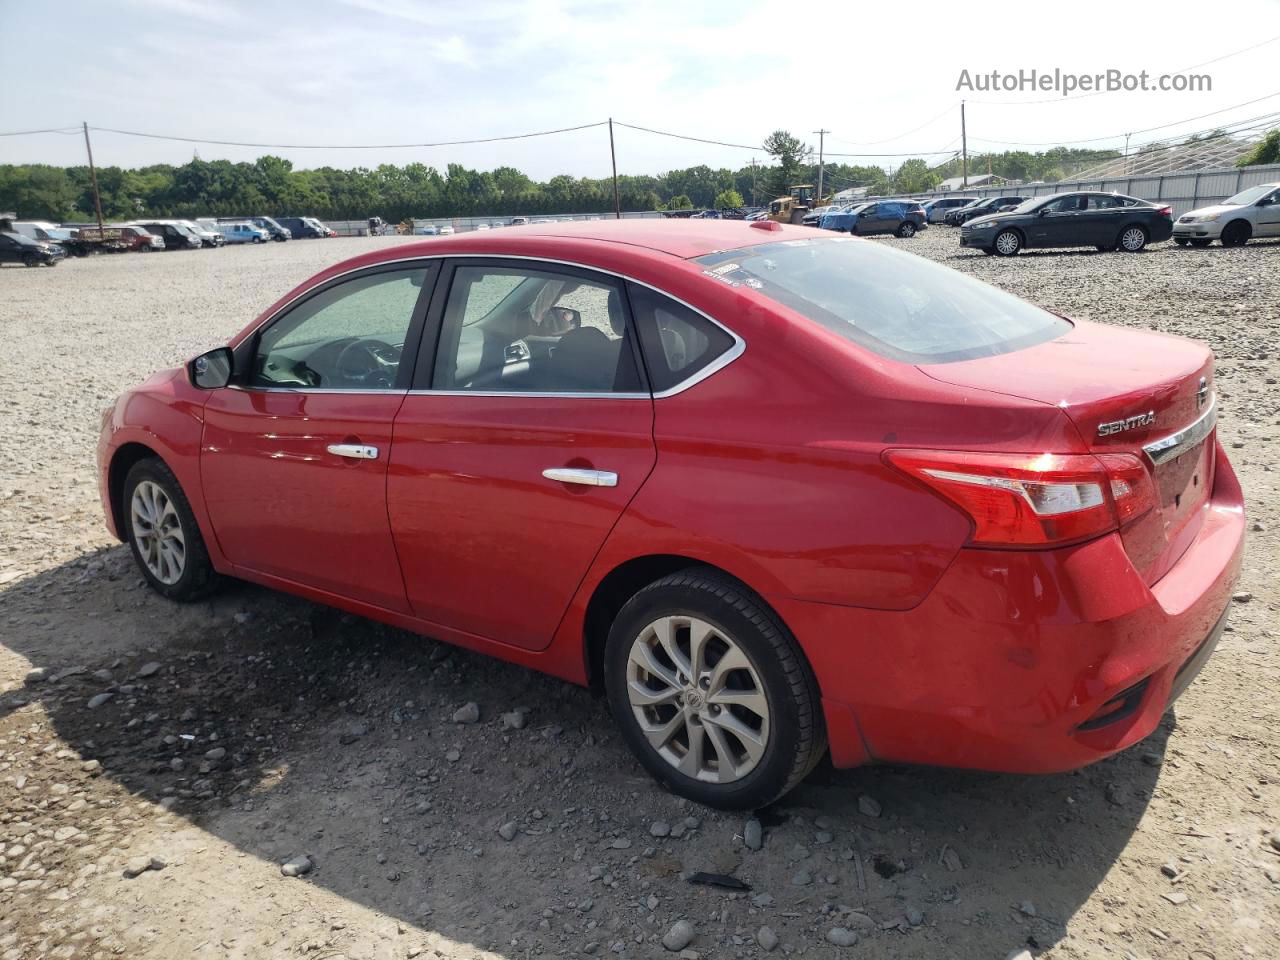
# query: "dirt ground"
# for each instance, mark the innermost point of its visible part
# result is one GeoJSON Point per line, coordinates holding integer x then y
{"type": "Point", "coordinates": [202, 747]}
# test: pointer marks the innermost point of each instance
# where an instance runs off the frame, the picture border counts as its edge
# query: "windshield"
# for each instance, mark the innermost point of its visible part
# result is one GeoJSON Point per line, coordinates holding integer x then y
{"type": "Point", "coordinates": [1252, 195]}
{"type": "Point", "coordinates": [895, 304]}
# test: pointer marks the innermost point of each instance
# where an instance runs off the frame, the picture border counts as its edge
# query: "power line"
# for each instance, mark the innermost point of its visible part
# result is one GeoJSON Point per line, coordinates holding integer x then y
{"type": "Point", "coordinates": [757, 147]}
{"type": "Point", "coordinates": [347, 146]}
{"type": "Point", "coordinates": [1117, 136]}
{"type": "Point", "coordinates": [23, 133]}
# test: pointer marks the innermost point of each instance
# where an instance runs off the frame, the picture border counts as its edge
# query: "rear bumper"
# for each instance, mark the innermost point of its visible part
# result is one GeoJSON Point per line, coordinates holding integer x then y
{"type": "Point", "coordinates": [1026, 662]}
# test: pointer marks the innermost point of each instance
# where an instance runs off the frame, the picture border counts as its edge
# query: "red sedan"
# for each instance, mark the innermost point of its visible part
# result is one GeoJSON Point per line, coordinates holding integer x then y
{"type": "Point", "coordinates": [777, 492]}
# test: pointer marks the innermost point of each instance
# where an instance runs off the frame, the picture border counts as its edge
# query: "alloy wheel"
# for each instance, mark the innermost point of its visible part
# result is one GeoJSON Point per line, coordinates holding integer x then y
{"type": "Point", "coordinates": [698, 699]}
{"type": "Point", "coordinates": [1133, 239]}
{"type": "Point", "coordinates": [158, 532]}
{"type": "Point", "coordinates": [1007, 243]}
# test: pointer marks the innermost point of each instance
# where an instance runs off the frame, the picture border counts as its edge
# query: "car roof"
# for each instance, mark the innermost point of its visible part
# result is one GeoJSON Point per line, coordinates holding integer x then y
{"type": "Point", "coordinates": [681, 238]}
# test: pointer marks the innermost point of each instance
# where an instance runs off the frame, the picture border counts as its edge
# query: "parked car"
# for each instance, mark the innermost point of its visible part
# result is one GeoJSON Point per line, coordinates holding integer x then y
{"type": "Point", "coordinates": [951, 217]}
{"type": "Point", "coordinates": [841, 218]}
{"type": "Point", "coordinates": [936, 209]}
{"type": "Point", "coordinates": [1254, 212]}
{"type": "Point", "coordinates": [208, 236]}
{"type": "Point", "coordinates": [427, 230]}
{"type": "Point", "coordinates": [519, 221]}
{"type": "Point", "coordinates": [174, 235]}
{"type": "Point", "coordinates": [242, 232]}
{"type": "Point", "coordinates": [1021, 548]}
{"type": "Point", "coordinates": [446, 230]}
{"type": "Point", "coordinates": [902, 218]}
{"type": "Point", "coordinates": [38, 230]}
{"type": "Point", "coordinates": [19, 248]}
{"type": "Point", "coordinates": [273, 230]}
{"type": "Point", "coordinates": [300, 227]}
{"type": "Point", "coordinates": [137, 238]}
{"type": "Point", "coordinates": [324, 228]}
{"type": "Point", "coordinates": [814, 217]}
{"type": "Point", "coordinates": [1108, 221]}
{"type": "Point", "coordinates": [984, 207]}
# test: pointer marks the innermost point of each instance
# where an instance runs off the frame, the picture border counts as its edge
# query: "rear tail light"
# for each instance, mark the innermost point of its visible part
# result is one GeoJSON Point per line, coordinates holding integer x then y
{"type": "Point", "coordinates": [1166, 212]}
{"type": "Point", "coordinates": [1032, 500]}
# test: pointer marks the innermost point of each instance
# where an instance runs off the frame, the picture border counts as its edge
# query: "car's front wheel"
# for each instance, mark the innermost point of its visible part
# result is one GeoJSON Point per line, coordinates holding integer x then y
{"type": "Point", "coordinates": [711, 692]}
{"type": "Point", "coordinates": [1007, 243]}
{"type": "Point", "coordinates": [907, 229]}
{"type": "Point", "coordinates": [163, 534]}
{"type": "Point", "coordinates": [1236, 234]}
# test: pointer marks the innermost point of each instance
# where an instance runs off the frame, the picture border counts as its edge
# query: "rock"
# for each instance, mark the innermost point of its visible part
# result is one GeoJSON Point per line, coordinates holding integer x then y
{"type": "Point", "coordinates": [1275, 840]}
{"type": "Point", "coordinates": [679, 936]}
{"type": "Point", "coordinates": [353, 733]}
{"type": "Point", "coordinates": [38, 675]}
{"type": "Point", "coordinates": [299, 866]}
{"type": "Point", "coordinates": [802, 879]}
{"type": "Point", "coordinates": [217, 753]}
{"type": "Point", "coordinates": [753, 834]}
{"type": "Point", "coordinates": [514, 720]}
{"type": "Point", "coordinates": [149, 669]}
{"type": "Point", "coordinates": [98, 700]}
{"type": "Point", "coordinates": [842, 936]}
{"type": "Point", "coordinates": [1019, 954]}
{"type": "Point", "coordinates": [856, 918]}
{"type": "Point", "coordinates": [823, 836]}
{"type": "Point", "coordinates": [136, 866]}
{"type": "Point", "coordinates": [951, 860]}
{"type": "Point", "coordinates": [622, 843]}
{"type": "Point", "coordinates": [1242, 597]}
{"type": "Point", "coordinates": [1170, 870]}
{"type": "Point", "coordinates": [1177, 898]}
{"type": "Point", "coordinates": [453, 756]}
{"type": "Point", "coordinates": [508, 830]}
{"type": "Point", "coordinates": [1027, 908]}
{"type": "Point", "coordinates": [868, 806]}
{"type": "Point", "coordinates": [91, 767]}
{"type": "Point", "coordinates": [767, 939]}
{"type": "Point", "coordinates": [1117, 794]}
{"type": "Point", "coordinates": [915, 916]}
{"type": "Point", "coordinates": [659, 828]}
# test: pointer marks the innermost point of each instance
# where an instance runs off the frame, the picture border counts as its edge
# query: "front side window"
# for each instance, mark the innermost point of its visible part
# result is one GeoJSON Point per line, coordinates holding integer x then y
{"type": "Point", "coordinates": [525, 330]}
{"type": "Point", "coordinates": [896, 305]}
{"type": "Point", "coordinates": [350, 336]}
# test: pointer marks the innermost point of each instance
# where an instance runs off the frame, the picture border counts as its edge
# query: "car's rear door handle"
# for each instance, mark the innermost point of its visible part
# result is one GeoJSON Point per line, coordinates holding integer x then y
{"type": "Point", "coordinates": [356, 451]}
{"type": "Point", "coordinates": [591, 478]}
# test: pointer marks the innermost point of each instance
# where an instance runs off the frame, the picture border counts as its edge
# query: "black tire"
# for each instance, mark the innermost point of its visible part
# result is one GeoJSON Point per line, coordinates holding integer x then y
{"type": "Point", "coordinates": [1180, 241]}
{"type": "Point", "coordinates": [1103, 248]}
{"type": "Point", "coordinates": [198, 577]}
{"type": "Point", "coordinates": [1236, 233]}
{"type": "Point", "coordinates": [989, 251]}
{"type": "Point", "coordinates": [797, 737]}
{"type": "Point", "coordinates": [1131, 239]}
{"type": "Point", "coordinates": [1012, 243]}
{"type": "Point", "coordinates": [31, 260]}
{"type": "Point", "coordinates": [1201, 243]}
{"type": "Point", "coordinates": [906, 229]}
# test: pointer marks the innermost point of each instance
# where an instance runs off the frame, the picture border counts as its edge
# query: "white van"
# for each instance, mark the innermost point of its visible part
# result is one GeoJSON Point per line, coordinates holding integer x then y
{"type": "Point", "coordinates": [242, 232]}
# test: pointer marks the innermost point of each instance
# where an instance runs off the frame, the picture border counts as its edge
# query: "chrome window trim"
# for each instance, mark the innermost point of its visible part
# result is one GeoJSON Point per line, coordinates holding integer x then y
{"type": "Point", "coordinates": [715, 366]}
{"type": "Point", "coordinates": [1176, 444]}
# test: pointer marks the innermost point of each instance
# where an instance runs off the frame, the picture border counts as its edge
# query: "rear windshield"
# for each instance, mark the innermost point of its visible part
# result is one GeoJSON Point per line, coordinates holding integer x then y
{"type": "Point", "coordinates": [895, 304]}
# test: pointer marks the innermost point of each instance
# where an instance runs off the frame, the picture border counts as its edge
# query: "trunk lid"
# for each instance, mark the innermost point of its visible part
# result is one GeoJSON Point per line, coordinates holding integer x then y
{"type": "Point", "coordinates": [1125, 391]}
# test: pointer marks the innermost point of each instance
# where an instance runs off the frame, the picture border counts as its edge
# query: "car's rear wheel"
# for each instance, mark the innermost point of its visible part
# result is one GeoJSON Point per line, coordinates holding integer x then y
{"type": "Point", "coordinates": [988, 250]}
{"type": "Point", "coordinates": [1132, 238]}
{"type": "Point", "coordinates": [1236, 234]}
{"type": "Point", "coordinates": [1201, 243]}
{"type": "Point", "coordinates": [907, 229]}
{"type": "Point", "coordinates": [1007, 243]}
{"type": "Point", "coordinates": [711, 692]}
{"type": "Point", "coordinates": [163, 534]}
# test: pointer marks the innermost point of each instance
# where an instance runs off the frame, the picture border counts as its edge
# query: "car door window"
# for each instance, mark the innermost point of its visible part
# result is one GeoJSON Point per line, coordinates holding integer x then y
{"type": "Point", "coordinates": [528, 330]}
{"type": "Point", "coordinates": [1063, 205]}
{"type": "Point", "coordinates": [679, 344]}
{"type": "Point", "coordinates": [347, 337]}
{"type": "Point", "coordinates": [1101, 202]}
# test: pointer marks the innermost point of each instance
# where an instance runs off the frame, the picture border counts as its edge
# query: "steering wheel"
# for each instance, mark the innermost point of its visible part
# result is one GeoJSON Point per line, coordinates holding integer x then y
{"type": "Point", "coordinates": [368, 362]}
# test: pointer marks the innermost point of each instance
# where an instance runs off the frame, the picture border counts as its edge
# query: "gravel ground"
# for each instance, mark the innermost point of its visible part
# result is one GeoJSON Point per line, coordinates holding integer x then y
{"type": "Point", "coordinates": [257, 730]}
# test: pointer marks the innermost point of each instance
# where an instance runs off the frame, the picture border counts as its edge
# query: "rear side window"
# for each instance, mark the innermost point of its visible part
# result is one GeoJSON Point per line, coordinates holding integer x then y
{"type": "Point", "coordinates": [678, 343]}
{"type": "Point", "coordinates": [897, 305]}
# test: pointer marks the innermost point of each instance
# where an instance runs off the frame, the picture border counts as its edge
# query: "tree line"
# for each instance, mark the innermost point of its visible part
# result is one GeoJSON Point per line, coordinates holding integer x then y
{"type": "Point", "coordinates": [270, 185]}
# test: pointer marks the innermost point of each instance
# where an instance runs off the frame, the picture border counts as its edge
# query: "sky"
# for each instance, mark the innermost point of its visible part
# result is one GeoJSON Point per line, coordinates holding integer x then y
{"type": "Point", "coordinates": [881, 77]}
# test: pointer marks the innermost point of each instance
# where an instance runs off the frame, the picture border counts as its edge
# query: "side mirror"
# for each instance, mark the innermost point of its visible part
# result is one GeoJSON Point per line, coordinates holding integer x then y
{"type": "Point", "coordinates": [1044, 212]}
{"type": "Point", "coordinates": [211, 370]}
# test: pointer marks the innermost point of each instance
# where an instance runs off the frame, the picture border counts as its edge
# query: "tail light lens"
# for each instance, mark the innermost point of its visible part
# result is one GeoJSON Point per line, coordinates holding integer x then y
{"type": "Point", "coordinates": [1029, 500]}
{"type": "Point", "coordinates": [1166, 212]}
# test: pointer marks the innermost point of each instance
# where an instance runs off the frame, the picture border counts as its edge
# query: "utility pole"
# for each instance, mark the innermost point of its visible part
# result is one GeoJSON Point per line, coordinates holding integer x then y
{"type": "Point", "coordinates": [613, 159]}
{"type": "Point", "coordinates": [1126, 153]}
{"type": "Point", "coordinates": [964, 150]}
{"type": "Point", "coordinates": [754, 191]}
{"type": "Point", "coordinates": [93, 175]}
{"type": "Point", "coordinates": [821, 138]}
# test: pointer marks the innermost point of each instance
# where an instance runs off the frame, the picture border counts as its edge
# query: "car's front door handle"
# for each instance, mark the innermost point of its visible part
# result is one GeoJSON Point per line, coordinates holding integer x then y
{"type": "Point", "coordinates": [356, 451]}
{"type": "Point", "coordinates": [591, 478]}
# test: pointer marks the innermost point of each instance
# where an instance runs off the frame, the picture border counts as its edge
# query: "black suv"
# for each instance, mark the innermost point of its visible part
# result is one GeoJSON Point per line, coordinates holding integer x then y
{"type": "Point", "coordinates": [15, 248]}
{"type": "Point", "coordinates": [1108, 221]}
{"type": "Point", "coordinates": [983, 208]}
{"type": "Point", "coordinates": [175, 236]}
{"type": "Point", "coordinates": [299, 228]}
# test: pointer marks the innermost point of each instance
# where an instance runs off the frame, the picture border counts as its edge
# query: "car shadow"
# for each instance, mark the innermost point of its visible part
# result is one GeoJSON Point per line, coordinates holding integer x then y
{"type": "Point", "coordinates": [280, 727]}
